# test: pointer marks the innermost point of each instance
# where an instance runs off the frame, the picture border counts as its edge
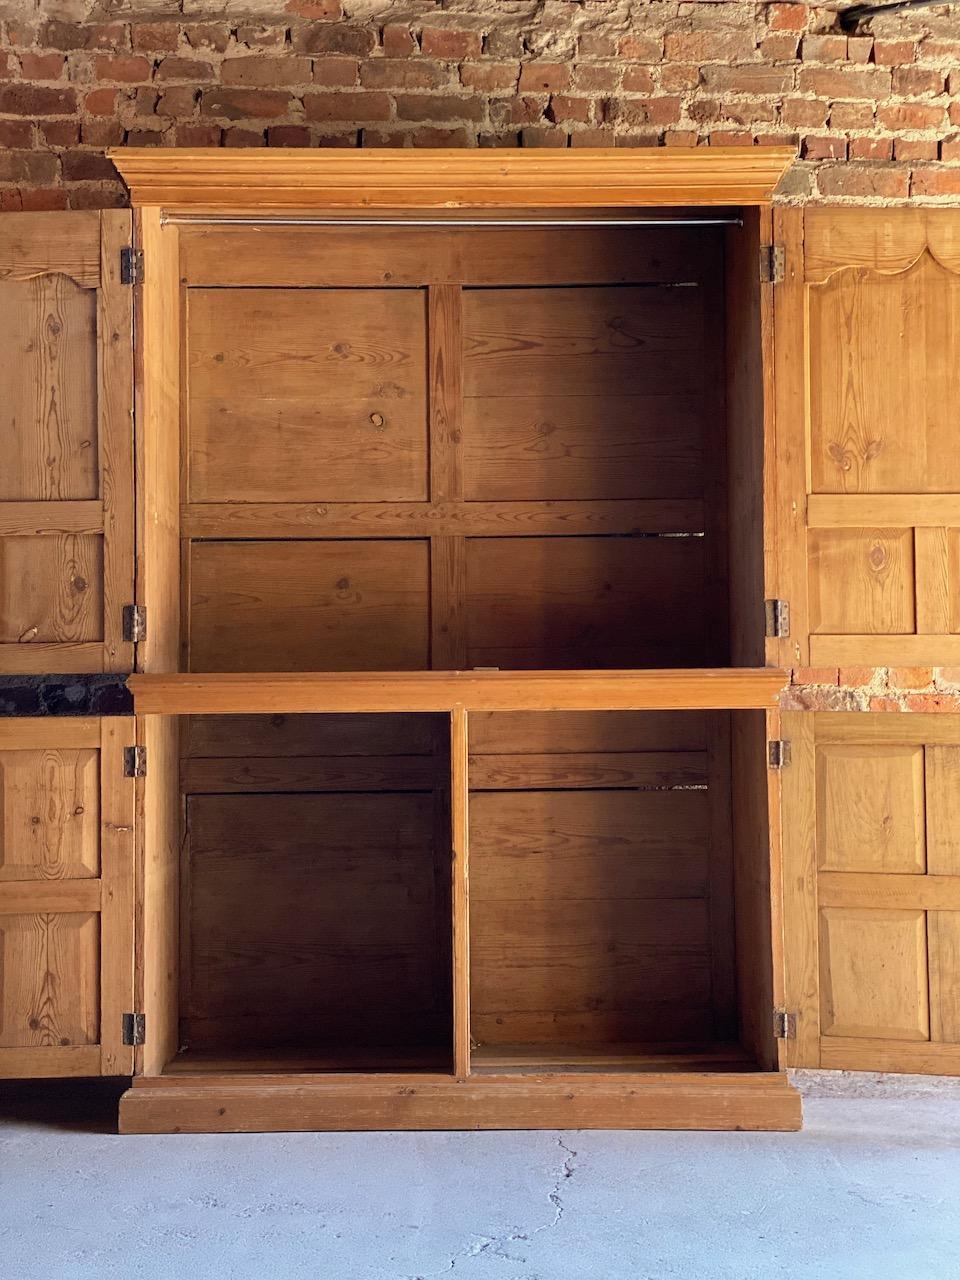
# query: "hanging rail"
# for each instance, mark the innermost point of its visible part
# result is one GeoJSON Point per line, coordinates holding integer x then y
{"type": "Point", "coordinates": [241, 220]}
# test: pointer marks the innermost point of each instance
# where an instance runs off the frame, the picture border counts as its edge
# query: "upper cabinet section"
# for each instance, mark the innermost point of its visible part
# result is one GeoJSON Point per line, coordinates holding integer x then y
{"type": "Point", "coordinates": [66, 441]}
{"type": "Point", "coordinates": [868, 377]}
{"type": "Point", "coordinates": [282, 178]}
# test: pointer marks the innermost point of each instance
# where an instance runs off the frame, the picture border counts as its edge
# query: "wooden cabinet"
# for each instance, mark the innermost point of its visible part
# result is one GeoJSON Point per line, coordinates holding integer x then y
{"type": "Point", "coordinates": [468, 496]}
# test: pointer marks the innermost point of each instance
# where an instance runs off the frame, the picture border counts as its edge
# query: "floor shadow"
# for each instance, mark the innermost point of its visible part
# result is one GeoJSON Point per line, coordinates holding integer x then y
{"type": "Point", "coordinates": [80, 1106]}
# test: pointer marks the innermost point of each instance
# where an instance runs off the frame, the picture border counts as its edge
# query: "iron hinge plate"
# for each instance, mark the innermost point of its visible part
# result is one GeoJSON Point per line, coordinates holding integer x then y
{"type": "Point", "coordinates": [777, 618]}
{"type": "Point", "coordinates": [131, 265]}
{"type": "Point", "coordinates": [134, 622]}
{"type": "Point", "coordinates": [773, 263]}
{"type": "Point", "coordinates": [134, 1028]}
{"type": "Point", "coordinates": [135, 762]}
{"type": "Point", "coordinates": [784, 1024]}
{"type": "Point", "coordinates": [778, 753]}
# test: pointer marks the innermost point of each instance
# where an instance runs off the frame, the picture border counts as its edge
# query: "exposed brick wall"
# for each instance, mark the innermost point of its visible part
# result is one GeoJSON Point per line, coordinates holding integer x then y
{"type": "Point", "coordinates": [873, 689]}
{"type": "Point", "coordinates": [875, 115]}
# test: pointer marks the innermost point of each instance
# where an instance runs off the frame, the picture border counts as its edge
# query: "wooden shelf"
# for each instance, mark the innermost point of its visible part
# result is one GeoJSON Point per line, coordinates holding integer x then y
{"type": "Point", "coordinates": [291, 692]}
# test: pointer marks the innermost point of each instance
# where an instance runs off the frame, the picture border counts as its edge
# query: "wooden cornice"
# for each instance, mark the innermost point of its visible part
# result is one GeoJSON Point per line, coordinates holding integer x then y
{"type": "Point", "coordinates": [214, 179]}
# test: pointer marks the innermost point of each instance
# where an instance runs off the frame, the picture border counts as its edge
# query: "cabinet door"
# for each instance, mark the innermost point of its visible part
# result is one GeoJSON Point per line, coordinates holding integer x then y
{"type": "Point", "coordinates": [66, 441]}
{"type": "Point", "coordinates": [66, 897]}
{"type": "Point", "coordinates": [867, 341]}
{"type": "Point", "coordinates": [871, 876]}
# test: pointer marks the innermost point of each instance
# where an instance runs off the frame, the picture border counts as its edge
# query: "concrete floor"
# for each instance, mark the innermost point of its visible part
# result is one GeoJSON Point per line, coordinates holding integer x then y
{"type": "Point", "coordinates": [870, 1190]}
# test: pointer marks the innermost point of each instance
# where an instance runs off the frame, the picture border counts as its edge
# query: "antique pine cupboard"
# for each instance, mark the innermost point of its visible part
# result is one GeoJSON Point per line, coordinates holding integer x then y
{"type": "Point", "coordinates": [460, 514]}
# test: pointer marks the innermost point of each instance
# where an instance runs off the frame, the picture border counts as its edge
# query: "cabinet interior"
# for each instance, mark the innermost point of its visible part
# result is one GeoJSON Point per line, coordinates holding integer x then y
{"type": "Point", "coordinates": [405, 449]}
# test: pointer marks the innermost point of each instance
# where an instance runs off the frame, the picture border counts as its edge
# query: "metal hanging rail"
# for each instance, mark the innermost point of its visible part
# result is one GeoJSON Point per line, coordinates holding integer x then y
{"type": "Point", "coordinates": [238, 220]}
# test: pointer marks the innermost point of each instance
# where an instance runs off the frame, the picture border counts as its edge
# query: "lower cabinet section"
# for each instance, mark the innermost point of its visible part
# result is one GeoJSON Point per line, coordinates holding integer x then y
{"type": "Point", "coordinates": [66, 897]}
{"type": "Point", "coordinates": [470, 919]}
{"type": "Point", "coordinates": [871, 849]}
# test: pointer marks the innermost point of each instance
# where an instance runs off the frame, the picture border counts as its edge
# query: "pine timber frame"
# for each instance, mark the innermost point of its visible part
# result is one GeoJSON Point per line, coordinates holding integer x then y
{"type": "Point", "coordinates": [165, 184]}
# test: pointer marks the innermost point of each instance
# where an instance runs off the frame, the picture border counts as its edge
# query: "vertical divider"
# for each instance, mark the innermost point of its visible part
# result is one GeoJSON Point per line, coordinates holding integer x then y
{"type": "Point", "coordinates": [459, 821]}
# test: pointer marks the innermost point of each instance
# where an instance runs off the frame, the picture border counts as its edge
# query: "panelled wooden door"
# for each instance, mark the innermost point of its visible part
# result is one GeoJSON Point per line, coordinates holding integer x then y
{"type": "Point", "coordinates": [66, 442]}
{"type": "Point", "coordinates": [871, 875]}
{"type": "Point", "coordinates": [867, 343]}
{"type": "Point", "coordinates": [66, 896]}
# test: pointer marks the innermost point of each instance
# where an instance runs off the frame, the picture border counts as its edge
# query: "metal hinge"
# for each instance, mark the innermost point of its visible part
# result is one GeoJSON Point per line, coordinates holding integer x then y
{"type": "Point", "coordinates": [777, 618]}
{"type": "Point", "coordinates": [135, 622]}
{"type": "Point", "coordinates": [784, 1024]}
{"type": "Point", "coordinates": [778, 753]}
{"type": "Point", "coordinates": [773, 263]}
{"type": "Point", "coordinates": [131, 265]}
{"type": "Point", "coordinates": [135, 762]}
{"type": "Point", "coordinates": [134, 1028]}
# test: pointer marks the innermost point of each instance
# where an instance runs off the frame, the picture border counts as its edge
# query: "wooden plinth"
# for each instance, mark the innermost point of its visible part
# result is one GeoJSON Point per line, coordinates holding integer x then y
{"type": "Point", "coordinates": [272, 1104]}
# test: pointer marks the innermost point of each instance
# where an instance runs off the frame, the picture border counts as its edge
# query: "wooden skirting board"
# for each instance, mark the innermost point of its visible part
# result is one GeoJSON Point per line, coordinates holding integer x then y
{"type": "Point", "coordinates": [277, 1104]}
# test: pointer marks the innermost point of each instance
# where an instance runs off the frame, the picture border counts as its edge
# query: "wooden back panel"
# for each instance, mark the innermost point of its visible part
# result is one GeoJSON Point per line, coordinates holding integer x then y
{"type": "Point", "coordinates": [868, 372]}
{"type": "Point", "coordinates": [66, 440]}
{"type": "Point", "coordinates": [450, 450]}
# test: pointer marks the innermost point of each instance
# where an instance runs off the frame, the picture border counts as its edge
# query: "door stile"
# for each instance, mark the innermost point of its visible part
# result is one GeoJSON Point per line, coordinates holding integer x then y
{"type": "Point", "coordinates": [459, 817]}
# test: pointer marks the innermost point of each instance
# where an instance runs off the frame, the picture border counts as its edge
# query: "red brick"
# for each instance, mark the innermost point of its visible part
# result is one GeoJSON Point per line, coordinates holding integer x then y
{"type": "Point", "coordinates": [914, 82]}
{"type": "Point", "coordinates": [261, 71]}
{"type": "Point", "coordinates": [804, 112]}
{"type": "Point", "coordinates": [851, 115]}
{"type": "Point", "coordinates": [398, 41]}
{"type": "Point", "coordinates": [125, 70]}
{"type": "Point", "coordinates": [638, 80]}
{"type": "Point", "coordinates": [27, 100]}
{"type": "Point", "coordinates": [242, 104]}
{"type": "Point", "coordinates": [101, 133]}
{"type": "Point", "coordinates": [8, 67]}
{"type": "Point", "coordinates": [856, 676]}
{"type": "Point", "coordinates": [262, 37]}
{"type": "Point", "coordinates": [787, 17]}
{"type": "Point", "coordinates": [749, 78]}
{"type": "Point", "coordinates": [909, 677]}
{"type": "Point", "coordinates": [859, 48]}
{"type": "Point", "coordinates": [935, 182]}
{"type": "Point", "coordinates": [154, 37]}
{"type": "Point", "coordinates": [845, 82]}
{"type": "Point", "coordinates": [907, 149]}
{"type": "Point", "coordinates": [824, 48]}
{"type": "Point", "coordinates": [674, 79]}
{"type": "Point", "coordinates": [640, 48]}
{"type": "Point", "coordinates": [950, 675]}
{"type": "Point", "coordinates": [209, 35]}
{"type": "Point", "coordinates": [178, 103]}
{"type": "Point", "coordinates": [242, 138]}
{"type": "Point", "coordinates": [594, 45]}
{"type": "Point", "coordinates": [198, 135]}
{"type": "Point", "coordinates": [649, 110]}
{"type": "Point", "coordinates": [859, 180]}
{"type": "Point", "coordinates": [406, 73]}
{"type": "Point", "coordinates": [885, 704]}
{"type": "Point", "coordinates": [544, 137]}
{"type": "Point", "coordinates": [433, 107]}
{"type": "Point", "coordinates": [190, 69]}
{"type": "Point", "coordinates": [101, 102]}
{"type": "Point", "coordinates": [544, 77]}
{"type": "Point", "coordinates": [16, 133]}
{"type": "Point", "coordinates": [336, 72]}
{"type": "Point", "coordinates": [708, 46]}
{"type": "Point", "coordinates": [894, 53]}
{"type": "Point", "coordinates": [60, 133]}
{"type": "Point", "coordinates": [814, 675]}
{"type": "Point", "coordinates": [871, 149]}
{"type": "Point", "coordinates": [781, 47]}
{"type": "Point", "coordinates": [439, 137]}
{"type": "Point", "coordinates": [824, 148]}
{"type": "Point", "coordinates": [87, 166]}
{"type": "Point", "coordinates": [680, 138]}
{"type": "Point", "coordinates": [288, 135]}
{"type": "Point", "coordinates": [490, 76]}
{"type": "Point", "coordinates": [39, 167]}
{"type": "Point", "coordinates": [349, 107]}
{"type": "Point", "coordinates": [932, 702]}
{"type": "Point", "coordinates": [566, 110]}
{"type": "Point", "coordinates": [440, 42]}
{"type": "Point", "coordinates": [31, 201]}
{"type": "Point", "coordinates": [41, 66]}
{"type": "Point", "coordinates": [913, 115]}
{"type": "Point", "coordinates": [749, 112]}
{"type": "Point", "coordinates": [60, 35]}
{"type": "Point", "coordinates": [324, 10]}
{"type": "Point", "coordinates": [950, 148]}
{"type": "Point", "coordinates": [336, 38]}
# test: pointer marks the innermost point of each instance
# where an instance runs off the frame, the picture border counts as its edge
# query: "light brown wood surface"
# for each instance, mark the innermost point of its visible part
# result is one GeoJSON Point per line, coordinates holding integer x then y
{"type": "Point", "coordinates": [66, 897]}
{"type": "Point", "coordinates": [871, 891]}
{"type": "Point", "coordinates": [66, 438]}
{"type": "Point", "coordinates": [286, 178]}
{"type": "Point", "coordinates": [868, 337]}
